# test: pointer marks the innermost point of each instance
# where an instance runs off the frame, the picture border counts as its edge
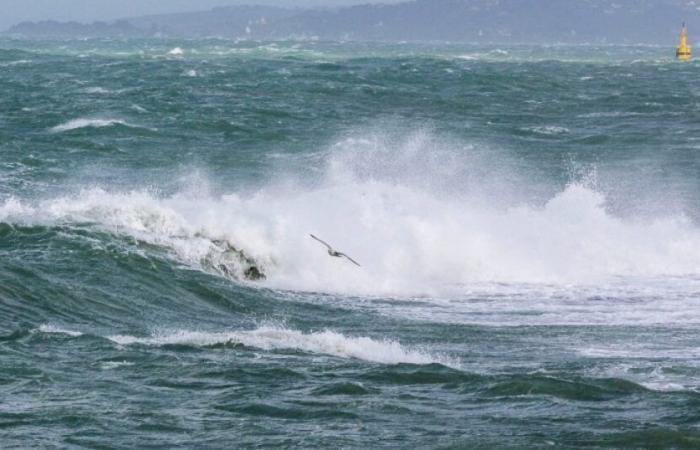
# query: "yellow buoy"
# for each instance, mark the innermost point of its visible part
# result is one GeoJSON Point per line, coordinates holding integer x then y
{"type": "Point", "coordinates": [684, 52]}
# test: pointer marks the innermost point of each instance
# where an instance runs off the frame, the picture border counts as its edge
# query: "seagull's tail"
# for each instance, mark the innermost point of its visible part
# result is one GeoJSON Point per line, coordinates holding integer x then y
{"type": "Point", "coordinates": [352, 260]}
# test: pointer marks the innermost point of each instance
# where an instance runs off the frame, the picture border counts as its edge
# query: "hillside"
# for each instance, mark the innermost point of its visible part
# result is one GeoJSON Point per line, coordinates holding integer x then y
{"type": "Point", "coordinates": [508, 21]}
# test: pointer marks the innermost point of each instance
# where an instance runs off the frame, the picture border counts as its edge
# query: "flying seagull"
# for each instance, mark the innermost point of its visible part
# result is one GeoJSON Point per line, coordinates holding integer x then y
{"type": "Point", "coordinates": [335, 253]}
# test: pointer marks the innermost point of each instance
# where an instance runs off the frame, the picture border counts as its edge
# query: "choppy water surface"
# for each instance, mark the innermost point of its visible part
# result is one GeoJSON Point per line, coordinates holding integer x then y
{"type": "Point", "coordinates": [526, 219]}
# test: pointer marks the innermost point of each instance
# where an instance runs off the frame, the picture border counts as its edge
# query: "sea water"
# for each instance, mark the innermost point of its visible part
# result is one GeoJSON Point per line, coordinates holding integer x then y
{"type": "Point", "coordinates": [526, 219]}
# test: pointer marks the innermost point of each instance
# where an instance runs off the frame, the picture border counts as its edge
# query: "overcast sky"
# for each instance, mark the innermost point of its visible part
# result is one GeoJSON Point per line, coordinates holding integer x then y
{"type": "Point", "coordinates": [15, 11]}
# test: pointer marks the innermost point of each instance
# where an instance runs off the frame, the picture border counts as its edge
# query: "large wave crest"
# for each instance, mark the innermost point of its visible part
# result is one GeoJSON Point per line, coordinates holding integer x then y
{"type": "Point", "coordinates": [418, 215]}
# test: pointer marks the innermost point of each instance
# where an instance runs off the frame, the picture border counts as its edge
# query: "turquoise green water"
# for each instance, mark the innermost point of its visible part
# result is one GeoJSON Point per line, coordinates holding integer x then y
{"type": "Point", "coordinates": [526, 220]}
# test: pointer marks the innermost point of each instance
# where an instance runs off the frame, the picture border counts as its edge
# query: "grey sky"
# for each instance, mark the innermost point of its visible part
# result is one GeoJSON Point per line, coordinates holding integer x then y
{"type": "Point", "coordinates": [15, 11]}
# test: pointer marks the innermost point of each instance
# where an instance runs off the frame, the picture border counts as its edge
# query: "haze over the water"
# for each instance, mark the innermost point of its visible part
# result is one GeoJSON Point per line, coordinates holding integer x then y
{"type": "Point", "coordinates": [629, 22]}
{"type": "Point", "coordinates": [15, 11]}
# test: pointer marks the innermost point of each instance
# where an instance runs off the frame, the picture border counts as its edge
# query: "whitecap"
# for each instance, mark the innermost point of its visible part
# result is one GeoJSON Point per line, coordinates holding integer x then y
{"type": "Point", "coordinates": [96, 90]}
{"type": "Point", "coordinates": [410, 238]}
{"type": "Point", "coordinates": [596, 115]}
{"type": "Point", "coordinates": [52, 329]}
{"type": "Point", "coordinates": [77, 124]}
{"type": "Point", "coordinates": [652, 374]}
{"type": "Point", "coordinates": [498, 52]}
{"type": "Point", "coordinates": [13, 208]}
{"type": "Point", "coordinates": [549, 130]}
{"type": "Point", "coordinates": [270, 337]}
{"type": "Point", "coordinates": [110, 365]}
{"type": "Point", "coordinates": [16, 63]}
{"type": "Point", "coordinates": [139, 108]}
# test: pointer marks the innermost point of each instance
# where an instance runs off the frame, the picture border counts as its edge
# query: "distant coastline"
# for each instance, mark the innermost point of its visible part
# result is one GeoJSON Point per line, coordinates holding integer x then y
{"type": "Point", "coordinates": [483, 21]}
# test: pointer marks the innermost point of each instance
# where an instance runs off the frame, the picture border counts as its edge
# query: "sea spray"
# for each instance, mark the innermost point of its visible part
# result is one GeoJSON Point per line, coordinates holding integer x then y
{"type": "Point", "coordinates": [413, 234]}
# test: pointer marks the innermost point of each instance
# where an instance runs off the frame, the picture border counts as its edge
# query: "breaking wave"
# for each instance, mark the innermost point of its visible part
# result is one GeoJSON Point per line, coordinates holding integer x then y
{"type": "Point", "coordinates": [90, 123]}
{"type": "Point", "coordinates": [52, 329]}
{"type": "Point", "coordinates": [549, 130]}
{"type": "Point", "coordinates": [401, 214]}
{"type": "Point", "coordinates": [271, 337]}
{"type": "Point", "coordinates": [278, 338]}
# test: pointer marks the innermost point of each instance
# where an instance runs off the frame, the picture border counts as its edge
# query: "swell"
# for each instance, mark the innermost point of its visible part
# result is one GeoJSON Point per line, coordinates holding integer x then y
{"type": "Point", "coordinates": [391, 363]}
{"type": "Point", "coordinates": [77, 274]}
{"type": "Point", "coordinates": [273, 338]}
{"type": "Point", "coordinates": [414, 241]}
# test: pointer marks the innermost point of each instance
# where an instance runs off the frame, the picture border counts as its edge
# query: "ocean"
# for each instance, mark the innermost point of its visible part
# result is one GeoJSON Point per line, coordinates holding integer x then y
{"type": "Point", "coordinates": [526, 220]}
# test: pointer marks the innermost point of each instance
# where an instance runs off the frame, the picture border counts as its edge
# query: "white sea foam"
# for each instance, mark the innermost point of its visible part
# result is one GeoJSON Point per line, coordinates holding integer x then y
{"type": "Point", "coordinates": [97, 90]}
{"type": "Point", "coordinates": [139, 108]}
{"type": "Point", "coordinates": [550, 130]}
{"type": "Point", "coordinates": [499, 52]}
{"type": "Point", "coordinates": [109, 365]}
{"type": "Point", "coordinates": [411, 217]}
{"type": "Point", "coordinates": [496, 53]}
{"type": "Point", "coordinates": [177, 51]}
{"type": "Point", "coordinates": [15, 63]}
{"type": "Point", "coordinates": [278, 338]}
{"type": "Point", "coordinates": [85, 123]}
{"type": "Point", "coordinates": [596, 115]}
{"type": "Point", "coordinates": [653, 374]}
{"type": "Point", "coordinates": [77, 124]}
{"type": "Point", "coordinates": [644, 350]}
{"type": "Point", "coordinates": [52, 329]}
{"type": "Point", "coordinates": [13, 210]}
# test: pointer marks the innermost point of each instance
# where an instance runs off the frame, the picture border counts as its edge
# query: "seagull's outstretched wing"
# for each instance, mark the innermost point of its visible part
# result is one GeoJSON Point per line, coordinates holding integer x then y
{"type": "Point", "coordinates": [335, 253]}
{"type": "Point", "coordinates": [322, 242]}
{"type": "Point", "coordinates": [350, 259]}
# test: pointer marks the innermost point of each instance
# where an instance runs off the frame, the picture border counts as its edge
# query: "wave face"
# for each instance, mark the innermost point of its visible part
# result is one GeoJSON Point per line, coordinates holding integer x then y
{"type": "Point", "coordinates": [526, 222]}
